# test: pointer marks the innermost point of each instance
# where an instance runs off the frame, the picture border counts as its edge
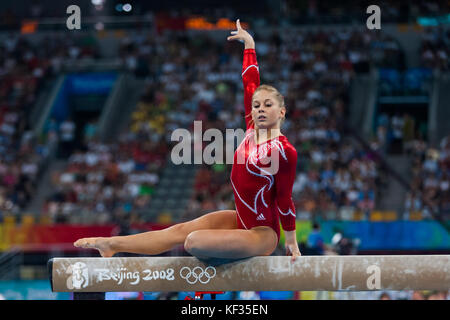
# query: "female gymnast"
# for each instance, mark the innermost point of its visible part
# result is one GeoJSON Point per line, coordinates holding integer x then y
{"type": "Point", "coordinates": [262, 194]}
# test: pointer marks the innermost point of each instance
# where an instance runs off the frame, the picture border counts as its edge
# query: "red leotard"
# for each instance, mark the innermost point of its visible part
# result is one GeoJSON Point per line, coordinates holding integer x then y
{"type": "Point", "coordinates": [262, 198]}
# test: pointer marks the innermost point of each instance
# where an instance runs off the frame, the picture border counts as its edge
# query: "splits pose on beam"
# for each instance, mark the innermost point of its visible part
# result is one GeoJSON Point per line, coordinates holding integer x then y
{"type": "Point", "coordinates": [262, 193]}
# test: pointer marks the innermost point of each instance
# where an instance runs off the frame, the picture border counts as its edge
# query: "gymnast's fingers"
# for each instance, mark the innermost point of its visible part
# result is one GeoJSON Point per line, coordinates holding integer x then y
{"type": "Point", "coordinates": [295, 254]}
{"type": "Point", "coordinates": [235, 36]}
{"type": "Point", "coordinates": [238, 24]}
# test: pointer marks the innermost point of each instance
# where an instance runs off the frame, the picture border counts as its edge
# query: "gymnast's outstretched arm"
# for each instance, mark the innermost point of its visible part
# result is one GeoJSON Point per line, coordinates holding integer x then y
{"type": "Point", "coordinates": [250, 70]}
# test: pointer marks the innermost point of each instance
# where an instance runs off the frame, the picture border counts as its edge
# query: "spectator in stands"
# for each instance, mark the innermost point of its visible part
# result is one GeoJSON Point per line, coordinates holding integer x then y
{"type": "Point", "coordinates": [51, 130]}
{"type": "Point", "coordinates": [396, 124]}
{"type": "Point", "coordinates": [430, 182]}
{"type": "Point", "coordinates": [67, 131]}
{"type": "Point", "coordinates": [315, 243]}
{"type": "Point", "coordinates": [22, 70]}
{"type": "Point", "coordinates": [89, 131]}
{"type": "Point", "coordinates": [434, 49]}
{"type": "Point", "coordinates": [366, 202]}
{"type": "Point", "coordinates": [343, 245]}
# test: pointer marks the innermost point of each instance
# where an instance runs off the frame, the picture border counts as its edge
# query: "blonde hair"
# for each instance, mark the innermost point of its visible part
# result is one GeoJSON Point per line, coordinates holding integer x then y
{"type": "Point", "coordinates": [278, 96]}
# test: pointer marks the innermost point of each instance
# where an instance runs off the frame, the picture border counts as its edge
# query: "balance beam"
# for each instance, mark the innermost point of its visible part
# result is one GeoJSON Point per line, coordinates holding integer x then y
{"type": "Point", "coordinates": [273, 273]}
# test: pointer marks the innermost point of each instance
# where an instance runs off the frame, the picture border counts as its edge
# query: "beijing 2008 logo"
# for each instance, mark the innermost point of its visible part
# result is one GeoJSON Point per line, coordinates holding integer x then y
{"type": "Point", "coordinates": [79, 277]}
{"type": "Point", "coordinates": [198, 274]}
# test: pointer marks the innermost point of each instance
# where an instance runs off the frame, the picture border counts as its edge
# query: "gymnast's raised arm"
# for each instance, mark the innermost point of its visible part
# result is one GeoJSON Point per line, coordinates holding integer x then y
{"type": "Point", "coordinates": [250, 70]}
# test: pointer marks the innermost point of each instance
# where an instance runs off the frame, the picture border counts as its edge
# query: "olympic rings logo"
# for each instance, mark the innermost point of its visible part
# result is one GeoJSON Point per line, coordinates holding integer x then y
{"type": "Point", "coordinates": [198, 274]}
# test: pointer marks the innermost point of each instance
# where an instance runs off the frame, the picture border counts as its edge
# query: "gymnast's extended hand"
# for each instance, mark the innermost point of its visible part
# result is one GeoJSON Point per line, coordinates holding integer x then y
{"type": "Point", "coordinates": [242, 35]}
{"type": "Point", "coordinates": [291, 244]}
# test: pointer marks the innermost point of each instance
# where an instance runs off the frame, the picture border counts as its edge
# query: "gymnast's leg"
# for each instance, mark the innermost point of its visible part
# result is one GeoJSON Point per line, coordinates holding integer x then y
{"type": "Point", "coordinates": [159, 241]}
{"type": "Point", "coordinates": [232, 244]}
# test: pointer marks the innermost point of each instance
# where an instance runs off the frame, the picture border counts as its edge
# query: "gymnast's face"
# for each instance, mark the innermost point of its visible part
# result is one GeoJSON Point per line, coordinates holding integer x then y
{"type": "Point", "coordinates": [266, 110]}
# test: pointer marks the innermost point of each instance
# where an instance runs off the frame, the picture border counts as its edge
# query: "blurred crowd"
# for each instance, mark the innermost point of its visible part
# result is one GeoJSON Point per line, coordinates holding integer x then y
{"type": "Point", "coordinates": [106, 183]}
{"type": "Point", "coordinates": [402, 11]}
{"type": "Point", "coordinates": [435, 48]}
{"type": "Point", "coordinates": [291, 12]}
{"type": "Point", "coordinates": [198, 78]}
{"type": "Point", "coordinates": [398, 132]}
{"type": "Point", "coordinates": [23, 69]}
{"type": "Point", "coordinates": [430, 183]}
{"type": "Point", "coordinates": [430, 167]}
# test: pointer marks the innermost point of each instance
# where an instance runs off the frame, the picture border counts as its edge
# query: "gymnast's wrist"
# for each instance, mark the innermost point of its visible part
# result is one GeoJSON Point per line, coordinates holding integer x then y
{"type": "Point", "coordinates": [290, 236]}
{"type": "Point", "coordinates": [249, 44]}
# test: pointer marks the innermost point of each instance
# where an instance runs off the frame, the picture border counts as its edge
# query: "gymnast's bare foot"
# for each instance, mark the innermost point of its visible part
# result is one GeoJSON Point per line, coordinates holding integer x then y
{"type": "Point", "coordinates": [101, 244]}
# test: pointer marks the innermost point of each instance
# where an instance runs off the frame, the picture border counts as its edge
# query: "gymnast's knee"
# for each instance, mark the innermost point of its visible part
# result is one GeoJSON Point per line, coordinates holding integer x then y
{"type": "Point", "coordinates": [192, 243]}
{"type": "Point", "coordinates": [177, 232]}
